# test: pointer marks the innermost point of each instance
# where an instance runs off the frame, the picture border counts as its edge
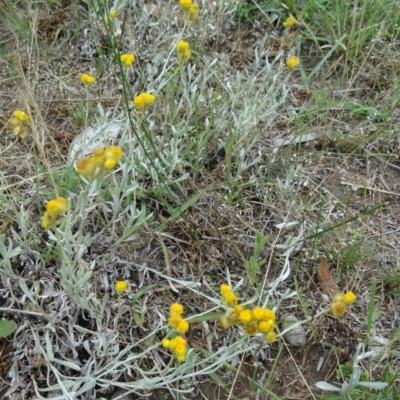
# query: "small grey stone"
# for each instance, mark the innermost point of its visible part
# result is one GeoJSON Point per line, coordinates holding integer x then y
{"type": "Point", "coordinates": [297, 335]}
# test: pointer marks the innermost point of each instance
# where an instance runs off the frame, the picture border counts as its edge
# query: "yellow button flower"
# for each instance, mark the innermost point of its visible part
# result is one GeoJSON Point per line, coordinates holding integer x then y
{"type": "Point", "coordinates": [349, 298]}
{"type": "Point", "coordinates": [182, 46]}
{"type": "Point", "coordinates": [127, 59]}
{"type": "Point", "coordinates": [113, 14]}
{"type": "Point", "coordinates": [143, 100]}
{"type": "Point", "coordinates": [185, 4]}
{"type": "Point", "coordinates": [293, 62]}
{"type": "Point", "coordinates": [120, 287]}
{"type": "Point", "coordinates": [258, 313]}
{"type": "Point", "coordinates": [289, 22]}
{"type": "Point", "coordinates": [57, 206]}
{"type": "Point", "coordinates": [182, 327]}
{"type": "Point", "coordinates": [176, 308]}
{"type": "Point", "coordinates": [88, 79]}
{"type": "Point", "coordinates": [54, 208]}
{"type": "Point", "coordinates": [245, 316]}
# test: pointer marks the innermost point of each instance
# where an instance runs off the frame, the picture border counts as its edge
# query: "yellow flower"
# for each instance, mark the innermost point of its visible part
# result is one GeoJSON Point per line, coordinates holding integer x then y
{"type": "Point", "coordinates": [238, 309]}
{"type": "Point", "coordinates": [349, 298]}
{"type": "Point", "coordinates": [143, 100]}
{"type": "Point", "coordinates": [57, 207]}
{"type": "Point", "coordinates": [230, 299]}
{"type": "Point", "coordinates": [110, 164]}
{"type": "Point", "coordinates": [245, 316]}
{"type": "Point", "coordinates": [113, 153]}
{"type": "Point", "coordinates": [225, 323]}
{"type": "Point", "coordinates": [177, 346]}
{"type": "Point", "coordinates": [184, 52]}
{"type": "Point", "coordinates": [225, 288]}
{"type": "Point", "coordinates": [270, 337]}
{"type": "Point", "coordinates": [293, 62]}
{"type": "Point", "coordinates": [88, 79]}
{"type": "Point", "coordinates": [54, 208]}
{"type": "Point", "coordinates": [338, 297]}
{"type": "Point", "coordinates": [22, 117]}
{"type": "Point", "coordinates": [258, 313]}
{"type": "Point", "coordinates": [148, 99]}
{"type": "Point", "coordinates": [193, 12]}
{"type": "Point", "coordinates": [120, 287]}
{"type": "Point", "coordinates": [289, 22]}
{"type": "Point", "coordinates": [181, 46]}
{"type": "Point", "coordinates": [182, 327]}
{"type": "Point", "coordinates": [174, 320]}
{"type": "Point", "coordinates": [20, 132]}
{"type": "Point", "coordinates": [338, 308]}
{"type": "Point", "coordinates": [127, 59]}
{"type": "Point", "coordinates": [113, 14]}
{"type": "Point", "coordinates": [47, 220]}
{"type": "Point", "coordinates": [185, 4]}
{"type": "Point", "coordinates": [176, 308]}
{"type": "Point", "coordinates": [269, 315]}
{"type": "Point", "coordinates": [265, 326]}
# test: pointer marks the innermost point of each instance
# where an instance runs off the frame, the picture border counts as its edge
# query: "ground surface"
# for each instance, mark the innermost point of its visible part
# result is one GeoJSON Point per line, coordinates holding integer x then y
{"type": "Point", "coordinates": [341, 176]}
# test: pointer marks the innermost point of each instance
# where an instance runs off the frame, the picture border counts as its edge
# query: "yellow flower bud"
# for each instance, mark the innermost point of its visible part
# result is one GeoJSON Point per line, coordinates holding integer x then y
{"type": "Point", "coordinates": [293, 62]}
{"type": "Point", "coordinates": [289, 22]}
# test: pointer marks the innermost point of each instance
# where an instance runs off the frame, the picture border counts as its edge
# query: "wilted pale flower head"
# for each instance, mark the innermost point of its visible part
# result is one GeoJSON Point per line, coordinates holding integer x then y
{"type": "Point", "coordinates": [88, 79]}
{"type": "Point", "coordinates": [193, 12]}
{"type": "Point", "coordinates": [293, 62]}
{"type": "Point", "coordinates": [127, 59]}
{"type": "Point", "coordinates": [290, 21]}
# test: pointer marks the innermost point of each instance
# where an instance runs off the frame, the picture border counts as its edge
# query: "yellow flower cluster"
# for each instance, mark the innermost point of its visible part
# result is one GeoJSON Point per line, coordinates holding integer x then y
{"type": "Point", "coordinates": [253, 321]}
{"type": "Point", "coordinates": [177, 346]}
{"type": "Point", "coordinates": [54, 208]}
{"type": "Point", "coordinates": [19, 120]}
{"type": "Point", "coordinates": [88, 79]}
{"type": "Point", "coordinates": [290, 21]}
{"type": "Point", "coordinates": [228, 297]}
{"type": "Point", "coordinates": [340, 302]}
{"type": "Point", "coordinates": [293, 62]}
{"type": "Point", "coordinates": [175, 319]}
{"type": "Point", "coordinates": [100, 161]}
{"type": "Point", "coordinates": [183, 50]}
{"type": "Point", "coordinates": [191, 9]}
{"type": "Point", "coordinates": [113, 14]}
{"type": "Point", "coordinates": [120, 287]}
{"type": "Point", "coordinates": [127, 59]}
{"type": "Point", "coordinates": [143, 100]}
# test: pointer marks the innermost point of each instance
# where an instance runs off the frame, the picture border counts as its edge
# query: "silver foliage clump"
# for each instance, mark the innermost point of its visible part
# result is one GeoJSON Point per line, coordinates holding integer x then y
{"type": "Point", "coordinates": [355, 378]}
